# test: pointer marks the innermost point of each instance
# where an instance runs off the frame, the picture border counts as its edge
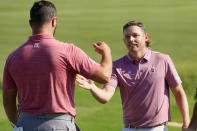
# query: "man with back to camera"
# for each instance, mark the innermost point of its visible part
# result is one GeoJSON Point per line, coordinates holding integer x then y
{"type": "Point", "coordinates": [144, 78]}
{"type": "Point", "coordinates": [42, 73]}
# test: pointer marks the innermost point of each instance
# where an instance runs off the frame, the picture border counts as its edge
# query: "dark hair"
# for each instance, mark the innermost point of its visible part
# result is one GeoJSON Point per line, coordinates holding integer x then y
{"type": "Point", "coordinates": [139, 24]}
{"type": "Point", "coordinates": [42, 12]}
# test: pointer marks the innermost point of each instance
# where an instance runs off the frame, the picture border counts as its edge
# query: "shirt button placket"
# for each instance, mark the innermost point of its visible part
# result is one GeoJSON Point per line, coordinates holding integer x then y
{"type": "Point", "coordinates": [138, 71]}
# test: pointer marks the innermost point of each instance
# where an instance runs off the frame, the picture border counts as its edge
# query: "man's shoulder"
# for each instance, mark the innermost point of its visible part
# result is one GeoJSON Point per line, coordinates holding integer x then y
{"type": "Point", "coordinates": [16, 51]}
{"type": "Point", "coordinates": [67, 46]}
{"type": "Point", "coordinates": [159, 55]}
{"type": "Point", "coordinates": [13, 54]}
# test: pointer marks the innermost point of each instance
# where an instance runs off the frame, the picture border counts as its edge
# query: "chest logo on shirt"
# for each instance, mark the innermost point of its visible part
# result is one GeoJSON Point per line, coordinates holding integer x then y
{"type": "Point", "coordinates": [153, 69]}
{"type": "Point", "coordinates": [36, 45]}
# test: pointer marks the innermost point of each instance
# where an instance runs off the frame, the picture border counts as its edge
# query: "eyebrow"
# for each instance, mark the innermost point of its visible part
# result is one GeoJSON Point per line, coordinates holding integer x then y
{"type": "Point", "coordinates": [135, 33]}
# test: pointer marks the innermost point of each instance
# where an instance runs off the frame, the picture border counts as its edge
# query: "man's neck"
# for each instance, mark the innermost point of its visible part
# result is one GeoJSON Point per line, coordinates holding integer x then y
{"type": "Point", "coordinates": [43, 30]}
{"type": "Point", "coordinates": [138, 55]}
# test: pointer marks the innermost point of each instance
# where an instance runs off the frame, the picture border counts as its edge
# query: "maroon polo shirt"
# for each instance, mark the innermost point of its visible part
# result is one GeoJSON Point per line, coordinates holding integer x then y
{"type": "Point", "coordinates": [43, 70]}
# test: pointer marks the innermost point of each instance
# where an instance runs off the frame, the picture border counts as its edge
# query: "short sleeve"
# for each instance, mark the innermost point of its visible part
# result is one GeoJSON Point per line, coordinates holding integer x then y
{"type": "Point", "coordinates": [172, 76]}
{"type": "Point", "coordinates": [8, 82]}
{"type": "Point", "coordinates": [81, 62]}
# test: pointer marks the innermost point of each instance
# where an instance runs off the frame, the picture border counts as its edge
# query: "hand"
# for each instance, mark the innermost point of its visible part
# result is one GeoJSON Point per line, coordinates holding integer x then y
{"type": "Point", "coordinates": [185, 128]}
{"type": "Point", "coordinates": [185, 124]}
{"type": "Point", "coordinates": [84, 83]}
{"type": "Point", "coordinates": [101, 48]}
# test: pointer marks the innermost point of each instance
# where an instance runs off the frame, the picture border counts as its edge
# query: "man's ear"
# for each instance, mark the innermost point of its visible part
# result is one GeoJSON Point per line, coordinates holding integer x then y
{"type": "Point", "coordinates": [30, 23]}
{"type": "Point", "coordinates": [54, 21]}
{"type": "Point", "coordinates": [147, 36]}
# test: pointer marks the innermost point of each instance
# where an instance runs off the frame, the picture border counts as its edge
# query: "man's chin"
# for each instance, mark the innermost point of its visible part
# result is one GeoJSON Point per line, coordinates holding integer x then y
{"type": "Point", "coordinates": [133, 49]}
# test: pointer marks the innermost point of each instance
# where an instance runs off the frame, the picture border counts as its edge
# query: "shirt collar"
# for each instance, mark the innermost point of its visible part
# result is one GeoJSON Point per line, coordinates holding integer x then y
{"type": "Point", "coordinates": [146, 56]}
{"type": "Point", "coordinates": [39, 37]}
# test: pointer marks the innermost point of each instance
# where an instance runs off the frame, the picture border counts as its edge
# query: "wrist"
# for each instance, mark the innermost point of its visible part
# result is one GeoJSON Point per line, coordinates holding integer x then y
{"type": "Point", "coordinates": [92, 87]}
{"type": "Point", "coordinates": [106, 52]}
{"type": "Point", "coordinates": [186, 123]}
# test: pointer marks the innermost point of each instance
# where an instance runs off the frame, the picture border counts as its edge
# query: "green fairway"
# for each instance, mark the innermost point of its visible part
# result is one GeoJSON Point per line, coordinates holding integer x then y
{"type": "Point", "coordinates": [171, 25]}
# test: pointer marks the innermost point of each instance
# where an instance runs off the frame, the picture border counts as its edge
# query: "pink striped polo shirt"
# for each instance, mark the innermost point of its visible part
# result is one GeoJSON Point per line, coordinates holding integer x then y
{"type": "Point", "coordinates": [44, 70]}
{"type": "Point", "coordinates": [144, 87]}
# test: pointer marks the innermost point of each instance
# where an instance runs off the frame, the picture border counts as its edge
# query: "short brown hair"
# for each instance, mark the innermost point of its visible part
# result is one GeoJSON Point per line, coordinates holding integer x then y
{"type": "Point", "coordinates": [139, 24]}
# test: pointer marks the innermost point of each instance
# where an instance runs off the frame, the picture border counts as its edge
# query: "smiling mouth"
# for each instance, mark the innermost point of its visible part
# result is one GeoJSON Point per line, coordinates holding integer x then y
{"type": "Point", "coordinates": [132, 45]}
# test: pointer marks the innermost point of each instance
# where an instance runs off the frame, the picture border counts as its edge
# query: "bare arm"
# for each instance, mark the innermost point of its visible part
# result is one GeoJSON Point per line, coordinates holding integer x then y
{"type": "Point", "coordinates": [182, 104]}
{"type": "Point", "coordinates": [103, 72]}
{"type": "Point", "coordinates": [9, 103]}
{"type": "Point", "coordinates": [102, 95]}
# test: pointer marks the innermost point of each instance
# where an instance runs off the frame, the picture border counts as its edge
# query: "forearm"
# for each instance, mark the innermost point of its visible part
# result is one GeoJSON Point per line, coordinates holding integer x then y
{"type": "Point", "coordinates": [12, 113]}
{"type": "Point", "coordinates": [103, 72]}
{"type": "Point", "coordinates": [9, 103]}
{"type": "Point", "coordinates": [106, 64]}
{"type": "Point", "coordinates": [102, 95]}
{"type": "Point", "coordinates": [182, 104]}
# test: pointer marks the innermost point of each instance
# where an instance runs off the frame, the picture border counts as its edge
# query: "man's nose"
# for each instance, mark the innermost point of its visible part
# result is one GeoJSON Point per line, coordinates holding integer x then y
{"type": "Point", "coordinates": [131, 38]}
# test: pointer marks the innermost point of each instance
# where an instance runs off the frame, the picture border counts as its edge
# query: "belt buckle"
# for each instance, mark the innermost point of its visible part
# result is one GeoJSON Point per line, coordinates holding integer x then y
{"type": "Point", "coordinates": [132, 126]}
{"type": "Point", "coordinates": [163, 124]}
